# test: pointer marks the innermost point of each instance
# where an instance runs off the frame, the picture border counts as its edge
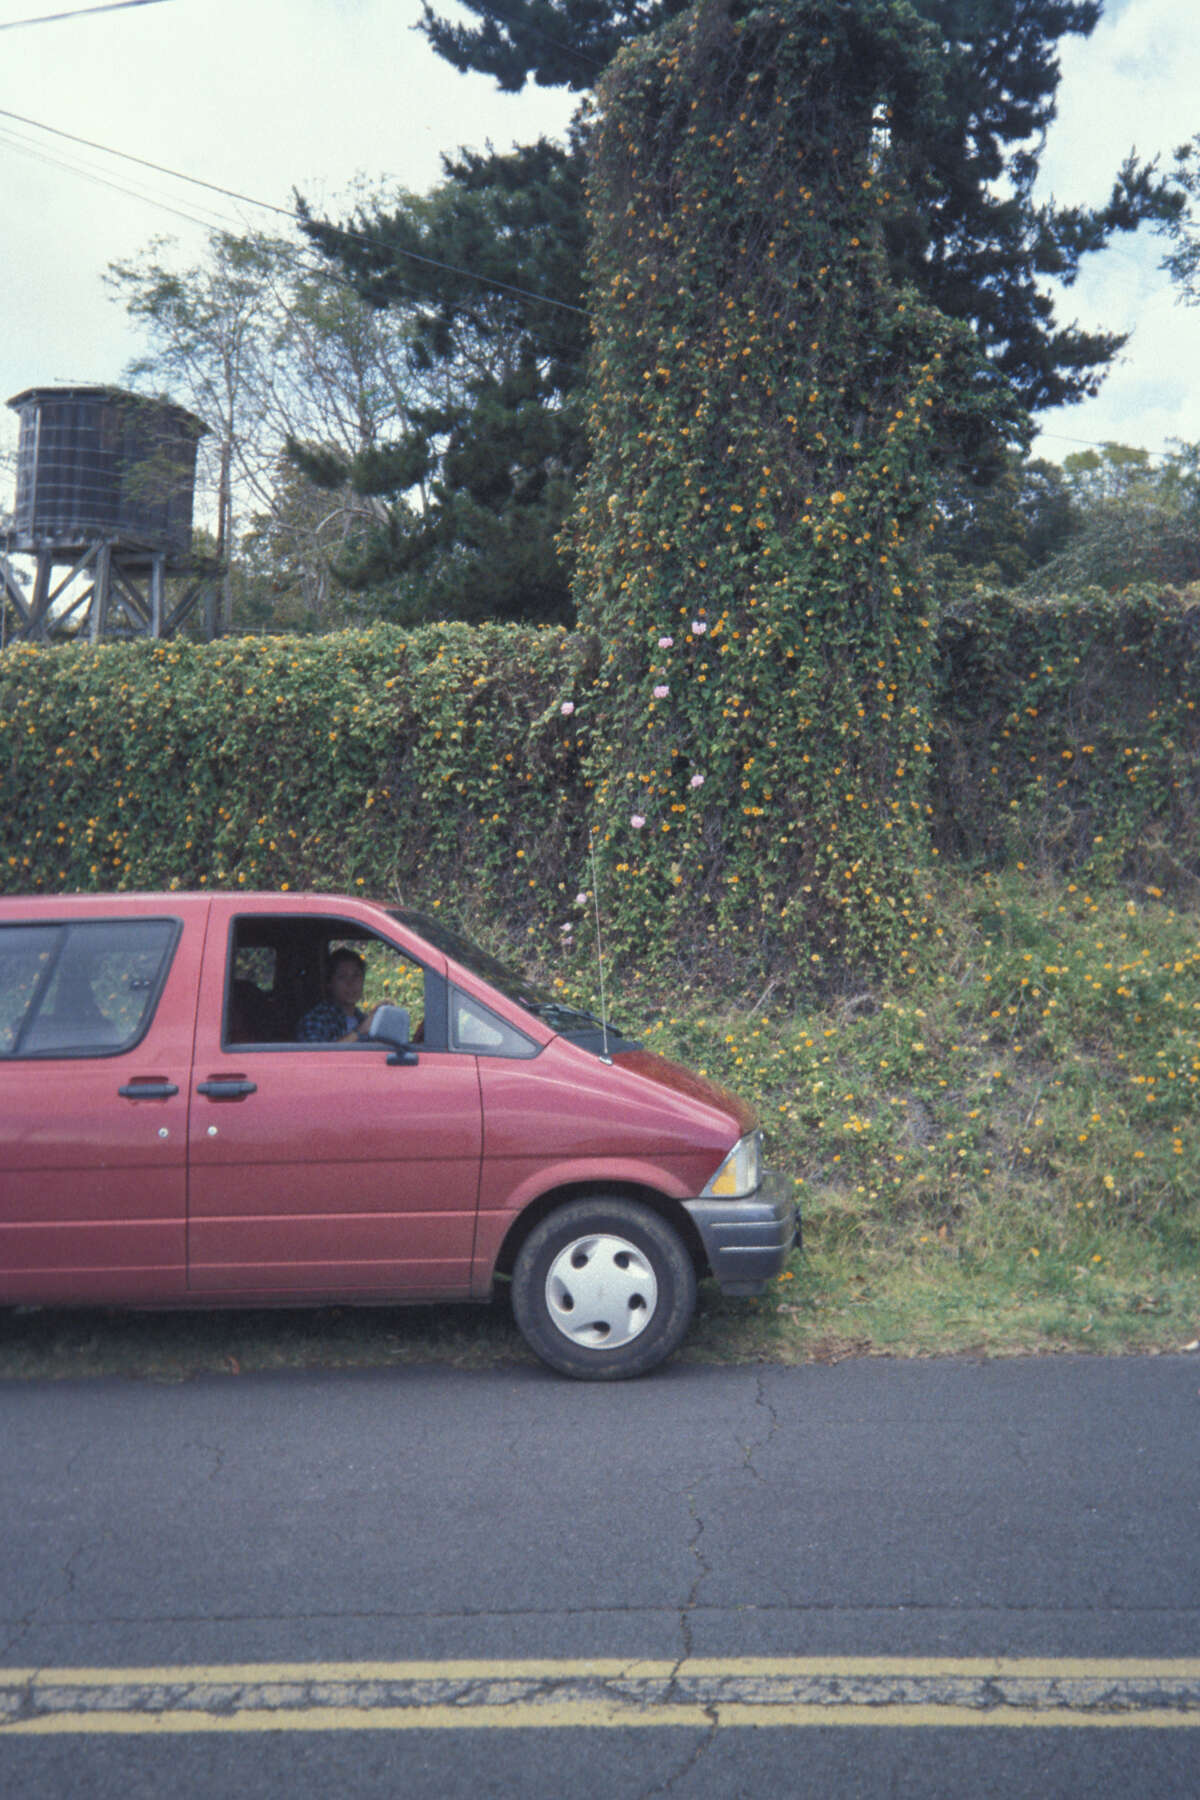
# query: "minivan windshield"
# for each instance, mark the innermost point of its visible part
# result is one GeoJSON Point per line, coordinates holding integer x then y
{"type": "Point", "coordinates": [564, 1019]}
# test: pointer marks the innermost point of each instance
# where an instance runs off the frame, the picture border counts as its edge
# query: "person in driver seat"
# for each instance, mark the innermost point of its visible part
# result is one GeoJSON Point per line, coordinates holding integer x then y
{"type": "Point", "coordinates": [338, 1019]}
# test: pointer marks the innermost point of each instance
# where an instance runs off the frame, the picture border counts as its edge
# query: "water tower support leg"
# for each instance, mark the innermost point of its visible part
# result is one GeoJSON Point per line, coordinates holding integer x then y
{"type": "Point", "coordinates": [40, 604]}
{"type": "Point", "coordinates": [100, 598]}
{"type": "Point", "coordinates": [82, 600]}
{"type": "Point", "coordinates": [183, 609]}
{"type": "Point", "coordinates": [80, 603]}
{"type": "Point", "coordinates": [158, 589]}
{"type": "Point", "coordinates": [11, 595]}
{"type": "Point", "coordinates": [128, 596]}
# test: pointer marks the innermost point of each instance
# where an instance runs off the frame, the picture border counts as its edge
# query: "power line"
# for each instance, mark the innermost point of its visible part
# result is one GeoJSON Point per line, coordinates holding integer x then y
{"type": "Point", "coordinates": [215, 222]}
{"type": "Point", "coordinates": [1059, 437]}
{"type": "Point", "coordinates": [39, 153]}
{"type": "Point", "coordinates": [81, 12]}
{"type": "Point", "coordinates": [284, 212]}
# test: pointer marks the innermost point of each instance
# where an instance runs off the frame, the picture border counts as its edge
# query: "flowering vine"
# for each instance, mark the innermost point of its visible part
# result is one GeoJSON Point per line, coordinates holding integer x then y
{"type": "Point", "coordinates": [767, 407]}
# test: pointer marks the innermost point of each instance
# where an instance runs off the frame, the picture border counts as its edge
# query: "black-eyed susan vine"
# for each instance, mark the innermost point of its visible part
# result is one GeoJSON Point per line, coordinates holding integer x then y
{"type": "Point", "coordinates": [1067, 735]}
{"type": "Point", "coordinates": [768, 409]}
{"type": "Point", "coordinates": [435, 764]}
{"type": "Point", "coordinates": [449, 765]}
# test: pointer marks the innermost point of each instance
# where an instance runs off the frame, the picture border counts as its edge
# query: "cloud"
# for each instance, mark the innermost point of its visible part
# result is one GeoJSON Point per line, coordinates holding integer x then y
{"type": "Point", "coordinates": [1131, 86]}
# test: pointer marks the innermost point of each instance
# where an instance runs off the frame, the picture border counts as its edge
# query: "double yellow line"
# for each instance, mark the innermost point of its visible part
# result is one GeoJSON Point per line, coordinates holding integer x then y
{"type": "Point", "coordinates": [546, 1695]}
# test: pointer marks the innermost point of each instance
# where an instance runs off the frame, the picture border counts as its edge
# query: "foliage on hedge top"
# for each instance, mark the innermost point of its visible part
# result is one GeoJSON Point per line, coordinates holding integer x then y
{"type": "Point", "coordinates": [391, 761]}
{"type": "Point", "coordinates": [1068, 734]}
{"type": "Point", "coordinates": [768, 409]}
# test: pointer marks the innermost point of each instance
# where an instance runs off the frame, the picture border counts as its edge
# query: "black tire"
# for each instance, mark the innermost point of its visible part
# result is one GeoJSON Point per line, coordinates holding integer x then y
{"type": "Point", "coordinates": [603, 1289]}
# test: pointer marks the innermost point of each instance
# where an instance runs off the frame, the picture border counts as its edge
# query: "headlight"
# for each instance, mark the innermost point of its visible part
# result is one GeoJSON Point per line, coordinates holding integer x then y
{"type": "Point", "coordinates": [741, 1172]}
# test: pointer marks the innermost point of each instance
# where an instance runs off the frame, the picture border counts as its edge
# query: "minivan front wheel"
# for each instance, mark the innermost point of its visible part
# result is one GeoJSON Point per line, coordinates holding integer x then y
{"type": "Point", "coordinates": [603, 1288]}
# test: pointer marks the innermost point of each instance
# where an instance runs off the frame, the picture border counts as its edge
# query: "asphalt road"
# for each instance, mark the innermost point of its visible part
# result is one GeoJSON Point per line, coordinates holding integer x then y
{"type": "Point", "coordinates": [874, 1578]}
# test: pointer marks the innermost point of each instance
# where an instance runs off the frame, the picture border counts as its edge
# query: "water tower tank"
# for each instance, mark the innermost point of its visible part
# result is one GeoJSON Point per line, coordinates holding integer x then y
{"type": "Point", "coordinates": [98, 463]}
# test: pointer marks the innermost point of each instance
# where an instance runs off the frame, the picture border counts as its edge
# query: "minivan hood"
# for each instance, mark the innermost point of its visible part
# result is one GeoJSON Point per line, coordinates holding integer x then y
{"type": "Point", "coordinates": [679, 1080]}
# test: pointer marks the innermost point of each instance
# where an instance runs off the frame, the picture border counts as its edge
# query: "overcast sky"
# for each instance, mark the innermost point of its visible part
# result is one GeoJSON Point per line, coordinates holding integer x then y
{"type": "Point", "coordinates": [263, 96]}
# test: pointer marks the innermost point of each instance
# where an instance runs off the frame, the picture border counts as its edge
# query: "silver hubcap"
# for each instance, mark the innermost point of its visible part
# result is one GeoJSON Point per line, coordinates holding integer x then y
{"type": "Point", "coordinates": [601, 1291]}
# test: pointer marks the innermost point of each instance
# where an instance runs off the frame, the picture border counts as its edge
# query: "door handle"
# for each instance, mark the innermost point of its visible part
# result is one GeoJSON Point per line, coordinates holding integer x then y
{"type": "Point", "coordinates": [234, 1089]}
{"type": "Point", "coordinates": [148, 1090]}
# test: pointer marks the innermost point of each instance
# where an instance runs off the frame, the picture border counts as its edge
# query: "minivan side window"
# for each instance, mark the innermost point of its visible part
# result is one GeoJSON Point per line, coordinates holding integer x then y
{"type": "Point", "coordinates": [26, 957]}
{"type": "Point", "coordinates": [84, 989]}
{"type": "Point", "coordinates": [477, 1028]}
{"type": "Point", "coordinates": [277, 971]}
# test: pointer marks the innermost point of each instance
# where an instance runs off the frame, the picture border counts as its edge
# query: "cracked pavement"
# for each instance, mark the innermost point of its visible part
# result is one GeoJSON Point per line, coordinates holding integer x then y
{"type": "Point", "coordinates": [866, 1509]}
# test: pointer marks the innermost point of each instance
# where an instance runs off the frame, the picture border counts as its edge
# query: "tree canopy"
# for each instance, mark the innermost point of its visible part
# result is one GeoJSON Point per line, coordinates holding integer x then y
{"type": "Point", "coordinates": [1109, 517]}
{"type": "Point", "coordinates": [270, 346]}
{"type": "Point", "coordinates": [1183, 261]}
{"type": "Point", "coordinates": [495, 267]}
{"type": "Point", "coordinates": [556, 43]}
{"type": "Point", "coordinates": [971, 235]}
{"type": "Point", "coordinates": [1134, 518]}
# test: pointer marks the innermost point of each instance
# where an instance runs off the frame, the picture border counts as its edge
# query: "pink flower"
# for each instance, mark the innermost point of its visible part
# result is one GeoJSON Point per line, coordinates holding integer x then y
{"type": "Point", "coordinates": [637, 821]}
{"type": "Point", "coordinates": [696, 781]}
{"type": "Point", "coordinates": [699, 627]}
{"type": "Point", "coordinates": [567, 708]}
{"type": "Point", "coordinates": [666, 643]}
{"type": "Point", "coordinates": [582, 899]}
{"type": "Point", "coordinates": [661, 692]}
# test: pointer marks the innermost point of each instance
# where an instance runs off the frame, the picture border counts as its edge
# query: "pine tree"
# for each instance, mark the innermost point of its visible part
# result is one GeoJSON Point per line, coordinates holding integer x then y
{"type": "Point", "coordinates": [975, 241]}
{"type": "Point", "coordinates": [490, 271]}
{"type": "Point", "coordinates": [557, 43]}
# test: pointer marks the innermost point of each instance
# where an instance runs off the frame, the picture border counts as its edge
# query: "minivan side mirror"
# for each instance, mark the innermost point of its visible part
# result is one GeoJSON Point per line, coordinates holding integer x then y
{"type": "Point", "coordinates": [392, 1025]}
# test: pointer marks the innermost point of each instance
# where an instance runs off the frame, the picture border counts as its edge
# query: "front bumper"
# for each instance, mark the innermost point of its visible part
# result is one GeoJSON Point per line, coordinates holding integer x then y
{"type": "Point", "coordinates": [747, 1239]}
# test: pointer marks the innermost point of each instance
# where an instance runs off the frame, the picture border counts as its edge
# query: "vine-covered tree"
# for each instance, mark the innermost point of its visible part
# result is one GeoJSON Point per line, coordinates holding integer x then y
{"type": "Point", "coordinates": [770, 412]}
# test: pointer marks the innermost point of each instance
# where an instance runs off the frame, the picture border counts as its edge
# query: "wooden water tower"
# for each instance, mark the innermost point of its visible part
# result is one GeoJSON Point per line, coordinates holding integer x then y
{"type": "Point", "coordinates": [104, 492]}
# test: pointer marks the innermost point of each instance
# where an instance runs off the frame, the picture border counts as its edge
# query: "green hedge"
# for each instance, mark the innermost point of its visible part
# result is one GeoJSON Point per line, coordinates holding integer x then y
{"type": "Point", "coordinates": [406, 763]}
{"type": "Point", "coordinates": [1067, 734]}
{"type": "Point", "coordinates": [440, 765]}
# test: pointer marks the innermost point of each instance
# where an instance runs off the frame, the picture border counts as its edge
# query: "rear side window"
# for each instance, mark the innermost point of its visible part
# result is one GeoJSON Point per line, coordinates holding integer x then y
{"type": "Point", "coordinates": [86, 989]}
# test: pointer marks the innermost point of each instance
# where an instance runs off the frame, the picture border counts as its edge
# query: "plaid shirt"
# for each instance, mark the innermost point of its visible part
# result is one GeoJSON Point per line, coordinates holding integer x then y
{"type": "Point", "coordinates": [326, 1024]}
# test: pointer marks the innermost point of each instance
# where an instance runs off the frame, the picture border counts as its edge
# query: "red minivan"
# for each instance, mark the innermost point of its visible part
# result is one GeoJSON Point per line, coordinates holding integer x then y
{"type": "Point", "coordinates": [187, 1118]}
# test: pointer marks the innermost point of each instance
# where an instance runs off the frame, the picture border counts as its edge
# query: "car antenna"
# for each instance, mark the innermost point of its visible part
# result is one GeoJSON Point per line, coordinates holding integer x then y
{"type": "Point", "coordinates": [599, 949]}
